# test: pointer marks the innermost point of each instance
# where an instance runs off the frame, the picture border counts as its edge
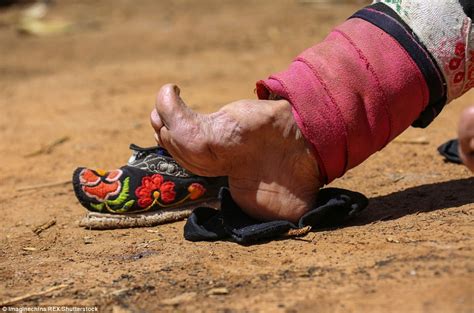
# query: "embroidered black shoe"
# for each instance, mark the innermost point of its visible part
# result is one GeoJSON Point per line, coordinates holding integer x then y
{"type": "Point", "coordinates": [151, 189]}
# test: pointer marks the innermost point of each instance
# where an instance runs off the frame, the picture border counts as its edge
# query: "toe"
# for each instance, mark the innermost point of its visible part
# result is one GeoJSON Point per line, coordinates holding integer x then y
{"type": "Point", "coordinates": [155, 120]}
{"type": "Point", "coordinates": [170, 108]}
{"type": "Point", "coordinates": [174, 122]}
{"type": "Point", "coordinates": [466, 137]}
{"type": "Point", "coordinates": [186, 135]}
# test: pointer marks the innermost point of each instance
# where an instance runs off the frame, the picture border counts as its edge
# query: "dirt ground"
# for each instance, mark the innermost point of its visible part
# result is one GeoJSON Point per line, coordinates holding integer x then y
{"type": "Point", "coordinates": [80, 98]}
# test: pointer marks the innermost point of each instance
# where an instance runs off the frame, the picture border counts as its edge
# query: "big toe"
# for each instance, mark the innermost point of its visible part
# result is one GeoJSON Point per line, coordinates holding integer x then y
{"type": "Point", "coordinates": [170, 108]}
{"type": "Point", "coordinates": [184, 133]}
{"type": "Point", "coordinates": [173, 121]}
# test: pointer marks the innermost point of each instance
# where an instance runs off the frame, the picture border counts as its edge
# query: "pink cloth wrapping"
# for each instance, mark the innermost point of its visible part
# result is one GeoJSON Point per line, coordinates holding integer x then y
{"type": "Point", "coordinates": [351, 94]}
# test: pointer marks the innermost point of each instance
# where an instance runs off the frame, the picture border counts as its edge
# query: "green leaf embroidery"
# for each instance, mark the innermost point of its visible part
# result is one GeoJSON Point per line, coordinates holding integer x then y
{"type": "Point", "coordinates": [98, 207]}
{"type": "Point", "coordinates": [125, 207]}
{"type": "Point", "coordinates": [122, 196]}
{"type": "Point", "coordinates": [128, 205]}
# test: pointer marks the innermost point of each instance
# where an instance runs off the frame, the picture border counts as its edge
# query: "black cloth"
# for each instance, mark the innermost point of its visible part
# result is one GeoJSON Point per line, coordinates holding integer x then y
{"type": "Point", "coordinates": [450, 151]}
{"type": "Point", "coordinates": [334, 207]}
{"type": "Point", "coordinates": [468, 7]}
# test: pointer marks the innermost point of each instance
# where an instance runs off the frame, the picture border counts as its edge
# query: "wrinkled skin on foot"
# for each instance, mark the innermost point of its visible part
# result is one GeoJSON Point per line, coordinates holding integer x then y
{"type": "Point", "coordinates": [256, 143]}
{"type": "Point", "coordinates": [466, 137]}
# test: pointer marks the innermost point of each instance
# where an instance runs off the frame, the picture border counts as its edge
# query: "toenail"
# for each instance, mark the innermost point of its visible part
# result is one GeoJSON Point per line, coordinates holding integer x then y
{"type": "Point", "coordinates": [176, 89]}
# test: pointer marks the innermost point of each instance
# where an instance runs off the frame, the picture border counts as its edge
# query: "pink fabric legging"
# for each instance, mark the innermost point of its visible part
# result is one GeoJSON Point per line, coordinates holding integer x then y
{"type": "Point", "coordinates": [351, 94]}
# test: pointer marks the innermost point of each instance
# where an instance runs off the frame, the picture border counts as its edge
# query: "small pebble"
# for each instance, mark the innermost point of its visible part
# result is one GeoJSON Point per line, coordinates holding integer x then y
{"type": "Point", "coordinates": [182, 298]}
{"type": "Point", "coordinates": [88, 240]}
{"type": "Point", "coordinates": [391, 239]}
{"type": "Point", "coordinates": [218, 291]}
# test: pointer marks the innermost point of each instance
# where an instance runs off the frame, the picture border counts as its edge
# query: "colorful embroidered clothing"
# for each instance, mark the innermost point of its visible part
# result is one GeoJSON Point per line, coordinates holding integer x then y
{"type": "Point", "coordinates": [393, 64]}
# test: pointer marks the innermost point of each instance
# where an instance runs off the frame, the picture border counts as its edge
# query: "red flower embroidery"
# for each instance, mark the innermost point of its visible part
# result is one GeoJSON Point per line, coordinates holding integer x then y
{"type": "Point", "coordinates": [99, 184]}
{"type": "Point", "coordinates": [196, 190]}
{"type": "Point", "coordinates": [152, 188]}
{"type": "Point", "coordinates": [460, 49]}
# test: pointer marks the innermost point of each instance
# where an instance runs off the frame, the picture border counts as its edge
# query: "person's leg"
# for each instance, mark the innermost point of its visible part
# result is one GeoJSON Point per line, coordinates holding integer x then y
{"type": "Point", "coordinates": [256, 143]}
{"type": "Point", "coordinates": [466, 137]}
{"type": "Point", "coordinates": [348, 96]}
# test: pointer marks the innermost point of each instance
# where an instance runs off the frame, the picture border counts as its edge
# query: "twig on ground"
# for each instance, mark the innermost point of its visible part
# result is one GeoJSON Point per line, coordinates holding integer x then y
{"type": "Point", "coordinates": [48, 148]}
{"type": "Point", "coordinates": [29, 249]}
{"type": "Point", "coordinates": [59, 183]}
{"type": "Point", "coordinates": [39, 229]}
{"type": "Point", "coordinates": [415, 141]}
{"type": "Point", "coordinates": [298, 232]}
{"type": "Point", "coordinates": [30, 295]}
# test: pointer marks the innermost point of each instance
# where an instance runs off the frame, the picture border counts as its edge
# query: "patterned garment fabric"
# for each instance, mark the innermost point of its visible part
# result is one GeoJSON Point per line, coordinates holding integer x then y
{"type": "Point", "coordinates": [447, 32]}
{"type": "Point", "coordinates": [151, 181]}
{"type": "Point", "coordinates": [390, 22]}
{"type": "Point", "coordinates": [333, 208]}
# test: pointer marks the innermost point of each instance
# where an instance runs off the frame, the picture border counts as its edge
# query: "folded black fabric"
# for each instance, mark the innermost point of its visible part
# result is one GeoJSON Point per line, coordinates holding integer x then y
{"type": "Point", "coordinates": [334, 207]}
{"type": "Point", "coordinates": [450, 151]}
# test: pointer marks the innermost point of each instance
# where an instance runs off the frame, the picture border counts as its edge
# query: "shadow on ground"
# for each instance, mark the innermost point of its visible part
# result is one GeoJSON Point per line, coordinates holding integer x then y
{"type": "Point", "coordinates": [424, 198]}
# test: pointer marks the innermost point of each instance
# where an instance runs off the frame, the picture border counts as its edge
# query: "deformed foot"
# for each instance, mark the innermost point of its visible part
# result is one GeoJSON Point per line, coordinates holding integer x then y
{"type": "Point", "coordinates": [466, 137]}
{"type": "Point", "coordinates": [256, 143]}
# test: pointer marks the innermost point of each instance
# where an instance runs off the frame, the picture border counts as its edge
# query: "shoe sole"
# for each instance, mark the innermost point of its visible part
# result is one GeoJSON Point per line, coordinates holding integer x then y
{"type": "Point", "coordinates": [103, 221]}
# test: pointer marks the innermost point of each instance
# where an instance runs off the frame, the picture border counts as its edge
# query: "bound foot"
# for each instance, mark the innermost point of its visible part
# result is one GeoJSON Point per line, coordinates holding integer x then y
{"type": "Point", "coordinates": [256, 143]}
{"type": "Point", "coordinates": [466, 137]}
